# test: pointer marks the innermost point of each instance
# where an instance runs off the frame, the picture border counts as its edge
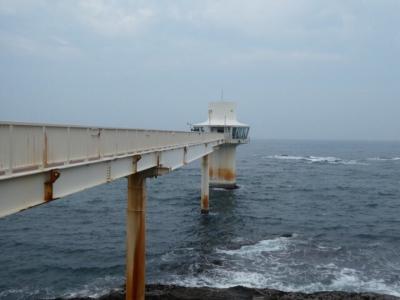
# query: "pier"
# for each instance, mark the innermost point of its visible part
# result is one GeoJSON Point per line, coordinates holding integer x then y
{"type": "Point", "coordinates": [40, 163]}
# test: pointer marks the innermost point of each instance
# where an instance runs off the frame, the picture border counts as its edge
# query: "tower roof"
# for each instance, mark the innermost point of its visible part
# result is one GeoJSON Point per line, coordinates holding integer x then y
{"type": "Point", "coordinates": [222, 113]}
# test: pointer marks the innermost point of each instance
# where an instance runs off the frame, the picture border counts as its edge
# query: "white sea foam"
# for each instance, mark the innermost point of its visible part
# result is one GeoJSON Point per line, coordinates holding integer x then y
{"type": "Point", "coordinates": [23, 293]}
{"type": "Point", "coordinates": [287, 157]}
{"type": "Point", "coordinates": [267, 264]}
{"type": "Point", "coordinates": [328, 159]}
{"type": "Point", "coordinates": [318, 159]}
{"type": "Point", "coordinates": [384, 158]}
{"type": "Point", "coordinates": [344, 279]}
{"type": "Point", "coordinates": [96, 288]}
{"type": "Point", "coordinates": [218, 189]}
{"type": "Point", "coordinates": [277, 244]}
{"type": "Point", "coordinates": [353, 280]}
{"type": "Point", "coordinates": [219, 278]}
{"type": "Point", "coordinates": [327, 248]}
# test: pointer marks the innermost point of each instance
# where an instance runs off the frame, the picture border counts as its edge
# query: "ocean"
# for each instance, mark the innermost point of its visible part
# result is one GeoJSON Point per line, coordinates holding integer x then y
{"type": "Point", "coordinates": [308, 216]}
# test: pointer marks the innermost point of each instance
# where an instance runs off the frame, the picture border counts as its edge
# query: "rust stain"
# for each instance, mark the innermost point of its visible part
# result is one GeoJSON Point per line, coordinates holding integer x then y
{"type": "Point", "coordinates": [135, 160]}
{"type": "Point", "coordinates": [138, 277]}
{"type": "Point", "coordinates": [55, 164]}
{"type": "Point", "coordinates": [48, 185]}
{"type": "Point", "coordinates": [45, 150]}
{"type": "Point", "coordinates": [222, 173]}
{"type": "Point", "coordinates": [184, 155]}
{"type": "Point", "coordinates": [76, 161]}
{"type": "Point", "coordinates": [32, 206]}
{"type": "Point", "coordinates": [108, 173]}
{"type": "Point", "coordinates": [94, 158]}
{"type": "Point", "coordinates": [158, 159]}
{"type": "Point", "coordinates": [25, 169]}
{"type": "Point", "coordinates": [136, 238]}
{"type": "Point", "coordinates": [204, 203]}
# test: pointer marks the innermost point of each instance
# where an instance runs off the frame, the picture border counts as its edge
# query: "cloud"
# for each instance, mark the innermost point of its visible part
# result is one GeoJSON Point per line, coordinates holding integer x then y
{"type": "Point", "coordinates": [111, 19]}
{"type": "Point", "coordinates": [256, 56]}
{"type": "Point", "coordinates": [13, 7]}
{"type": "Point", "coordinates": [105, 17]}
{"type": "Point", "coordinates": [52, 47]}
{"type": "Point", "coordinates": [206, 31]}
{"type": "Point", "coordinates": [261, 17]}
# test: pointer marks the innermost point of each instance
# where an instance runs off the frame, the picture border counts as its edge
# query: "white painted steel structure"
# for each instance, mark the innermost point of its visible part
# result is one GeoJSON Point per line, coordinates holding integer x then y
{"type": "Point", "coordinates": [41, 162]}
{"type": "Point", "coordinates": [222, 119]}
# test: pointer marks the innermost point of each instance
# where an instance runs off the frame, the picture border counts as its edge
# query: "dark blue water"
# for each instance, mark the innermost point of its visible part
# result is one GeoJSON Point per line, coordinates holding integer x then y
{"type": "Point", "coordinates": [308, 216]}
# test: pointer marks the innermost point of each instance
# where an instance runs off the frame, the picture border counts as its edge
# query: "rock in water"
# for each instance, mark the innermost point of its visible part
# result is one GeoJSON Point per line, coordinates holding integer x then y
{"type": "Point", "coordinates": [174, 292]}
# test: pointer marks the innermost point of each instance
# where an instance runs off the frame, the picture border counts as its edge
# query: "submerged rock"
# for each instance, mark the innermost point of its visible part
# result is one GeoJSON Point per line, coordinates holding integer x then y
{"type": "Point", "coordinates": [174, 292]}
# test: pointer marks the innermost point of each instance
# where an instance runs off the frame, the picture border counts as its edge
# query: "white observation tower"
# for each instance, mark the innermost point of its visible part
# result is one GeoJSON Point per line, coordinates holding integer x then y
{"type": "Point", "coordinates": [222, 119]}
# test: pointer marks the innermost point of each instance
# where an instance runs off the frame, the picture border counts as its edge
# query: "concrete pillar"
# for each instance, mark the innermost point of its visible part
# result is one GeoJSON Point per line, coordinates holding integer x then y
{"type": "Point", "coordinates": [136, 238]}
{"type": "Point", "coordinates": [223, 167]}
{"type": "Point", "coordinates": [205, 184]}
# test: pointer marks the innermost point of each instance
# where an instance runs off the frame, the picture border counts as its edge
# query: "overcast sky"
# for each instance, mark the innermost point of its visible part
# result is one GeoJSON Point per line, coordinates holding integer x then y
{"type": "Point", "coordinates": [306, 69]}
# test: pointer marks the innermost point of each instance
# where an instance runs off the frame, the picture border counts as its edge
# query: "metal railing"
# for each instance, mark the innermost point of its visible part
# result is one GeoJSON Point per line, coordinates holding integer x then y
{"type": "Point", "coordinates": [33, 147]}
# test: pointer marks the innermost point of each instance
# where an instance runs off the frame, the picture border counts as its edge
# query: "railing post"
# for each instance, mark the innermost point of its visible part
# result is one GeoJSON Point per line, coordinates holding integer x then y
{"type": "Point", "coordinates": [136, 238]}
{"type": "Point", "coordinates": [205, 179]}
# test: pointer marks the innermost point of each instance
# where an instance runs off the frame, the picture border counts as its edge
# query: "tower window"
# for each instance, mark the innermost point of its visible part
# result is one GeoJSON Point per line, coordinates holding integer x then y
{"type": "Point", "coordinates": [217, 129]}
{"type": "Point", "coordinates": [240, 132]}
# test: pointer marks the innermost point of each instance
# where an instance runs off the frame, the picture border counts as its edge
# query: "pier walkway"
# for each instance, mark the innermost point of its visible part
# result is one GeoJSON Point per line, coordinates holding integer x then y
{"type": "Point", "coordinates": [40, 163]}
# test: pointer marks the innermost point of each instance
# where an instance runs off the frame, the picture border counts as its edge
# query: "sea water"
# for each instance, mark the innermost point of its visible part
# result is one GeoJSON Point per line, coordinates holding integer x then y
{"type": "Point", "coordinates": [308, 216]}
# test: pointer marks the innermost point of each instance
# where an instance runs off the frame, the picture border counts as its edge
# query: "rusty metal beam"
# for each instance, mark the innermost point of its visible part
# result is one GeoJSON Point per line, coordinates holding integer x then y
{"type": "Point", "coordinates": [136, 232]}
{"type": "Point", "coordinates": [205, 184]}
{"type": "Point", "coordinates": [136, 238]}
{"type": "Point", "coordinates": [48, 185]}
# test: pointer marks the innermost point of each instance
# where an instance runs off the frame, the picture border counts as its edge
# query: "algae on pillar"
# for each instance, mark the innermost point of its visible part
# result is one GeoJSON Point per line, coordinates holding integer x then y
{"type": "Point", "coordinates": [222, 164]}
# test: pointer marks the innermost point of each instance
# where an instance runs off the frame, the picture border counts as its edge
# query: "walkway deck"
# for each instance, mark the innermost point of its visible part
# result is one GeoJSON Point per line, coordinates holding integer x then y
{"type": "Point", "coordinates": [41, 162]}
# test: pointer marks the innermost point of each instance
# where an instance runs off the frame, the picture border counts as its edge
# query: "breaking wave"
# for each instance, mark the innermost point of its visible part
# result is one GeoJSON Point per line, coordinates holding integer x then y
{"type": "Point", "coordinates": [384, 158]}
{"type": "Point", "coordinates": [94, 289]}
{"type": "Point", "coordinates": [347, 280]}
{"type": "Point", "coordinates": [267, 263]}
{"type": "Point", "coordinates": [277, 244]}
{"type": "Point", "coordinates": [318, 159]}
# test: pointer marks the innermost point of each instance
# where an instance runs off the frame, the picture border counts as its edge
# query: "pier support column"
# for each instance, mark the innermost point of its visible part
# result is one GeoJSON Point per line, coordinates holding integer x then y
{"type": "Point", "coordinates": [223, 167]}
{"type": "Point", "coordinates": [136, 238]}
{"type": "Point", "coordinates": [205, 180]}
